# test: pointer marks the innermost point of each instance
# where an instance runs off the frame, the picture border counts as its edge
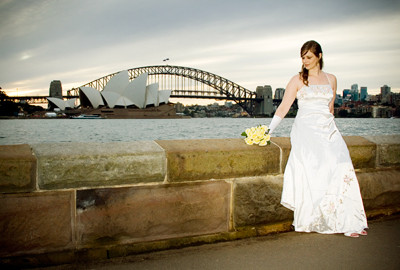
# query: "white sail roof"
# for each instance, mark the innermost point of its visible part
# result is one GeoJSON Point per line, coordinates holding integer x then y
{"type": "Point", "coordinates": [136, 90]}
{"type": "Point", "coordinates": [163, 96]}
{"type": "Point", "coordinates": [120, 92]}
{"type": "Point", "coordinates": [111, 98]}
{"type": "Point", "coordinates": [114, 99]}
{"type": "Point", "coordinates": [93, 95]}
{"type": "Point", "coordinates": [70, 103]}
{"type": "Point", "coordinates": [124, 101]}
{"type": "Point", "coordinates": [117, 83]}
{"type": "Point", "coordinates": [152, 94]}
{"type": "Point", "coordinates": [58, 102]}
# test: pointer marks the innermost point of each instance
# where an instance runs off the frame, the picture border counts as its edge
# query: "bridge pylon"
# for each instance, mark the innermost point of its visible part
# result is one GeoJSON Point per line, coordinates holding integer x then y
{"type": "Point", "coordinates": [264, 106]}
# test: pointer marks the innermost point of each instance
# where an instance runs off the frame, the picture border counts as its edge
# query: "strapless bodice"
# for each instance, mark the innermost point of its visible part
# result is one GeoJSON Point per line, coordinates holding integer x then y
{"type": "Point", "coordinates": [315, 92]}
{"type": "Point", "coordinates": [314, 98]}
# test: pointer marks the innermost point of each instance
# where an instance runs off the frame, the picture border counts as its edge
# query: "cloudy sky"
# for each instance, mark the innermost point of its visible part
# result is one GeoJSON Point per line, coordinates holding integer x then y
{"type": "Point", "coordinates": [247, 41]}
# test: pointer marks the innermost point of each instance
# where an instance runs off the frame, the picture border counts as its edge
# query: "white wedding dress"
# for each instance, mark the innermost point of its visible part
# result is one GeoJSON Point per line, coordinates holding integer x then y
{"type": "Point", "coordinates": [320, 184]}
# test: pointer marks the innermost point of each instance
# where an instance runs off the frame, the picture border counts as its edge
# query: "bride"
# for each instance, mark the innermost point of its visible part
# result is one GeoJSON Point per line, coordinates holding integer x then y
{"type": "Point", "coordinates": [320, 184]}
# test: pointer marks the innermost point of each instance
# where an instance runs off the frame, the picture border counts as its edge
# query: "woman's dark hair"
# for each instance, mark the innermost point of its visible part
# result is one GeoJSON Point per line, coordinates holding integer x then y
{"type": "Point", "coordinates": [316, 49]}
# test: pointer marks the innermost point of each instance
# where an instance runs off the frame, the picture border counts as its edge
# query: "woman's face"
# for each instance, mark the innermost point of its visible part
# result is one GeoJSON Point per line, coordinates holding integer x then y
{"type": "Point", "coordinates": [310, 60]}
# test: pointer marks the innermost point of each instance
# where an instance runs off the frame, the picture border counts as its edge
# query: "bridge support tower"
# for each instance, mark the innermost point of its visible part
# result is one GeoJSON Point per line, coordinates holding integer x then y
{"type": "Point", "coordinates": [265, 107]}
{"type": "Point", "coordinates": [55, 89]}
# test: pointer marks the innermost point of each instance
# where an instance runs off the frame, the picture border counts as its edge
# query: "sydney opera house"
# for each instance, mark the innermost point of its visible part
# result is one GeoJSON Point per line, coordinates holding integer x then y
{"type": "Point", "coordinates": [121, 98]}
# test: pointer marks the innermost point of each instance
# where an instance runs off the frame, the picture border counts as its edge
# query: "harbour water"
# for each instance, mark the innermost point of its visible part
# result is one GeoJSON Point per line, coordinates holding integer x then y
{"type": "Point", "coordinates": [31, 131]}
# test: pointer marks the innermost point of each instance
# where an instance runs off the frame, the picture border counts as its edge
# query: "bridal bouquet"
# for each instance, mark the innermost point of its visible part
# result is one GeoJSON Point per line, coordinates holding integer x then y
{"type": "Point", "coordinates": [257, 135]}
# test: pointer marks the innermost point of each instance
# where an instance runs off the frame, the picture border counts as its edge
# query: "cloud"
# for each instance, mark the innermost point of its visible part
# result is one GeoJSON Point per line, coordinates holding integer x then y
{"type": "Point", "coordinates": [250, 42]}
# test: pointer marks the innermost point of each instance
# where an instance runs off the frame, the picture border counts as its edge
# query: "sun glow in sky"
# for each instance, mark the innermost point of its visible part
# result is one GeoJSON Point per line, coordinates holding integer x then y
{"type": "Point", "coordinates": [249, 42]}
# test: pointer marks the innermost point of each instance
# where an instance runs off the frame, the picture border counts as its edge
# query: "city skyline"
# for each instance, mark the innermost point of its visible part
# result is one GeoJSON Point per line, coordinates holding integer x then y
{"type": "Point", "coordinates": [252, 43]}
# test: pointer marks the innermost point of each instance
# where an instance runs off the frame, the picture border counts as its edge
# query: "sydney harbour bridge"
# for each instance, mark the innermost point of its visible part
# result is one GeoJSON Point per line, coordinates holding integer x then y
{"type": "Point", "coordinates": [186, 82]}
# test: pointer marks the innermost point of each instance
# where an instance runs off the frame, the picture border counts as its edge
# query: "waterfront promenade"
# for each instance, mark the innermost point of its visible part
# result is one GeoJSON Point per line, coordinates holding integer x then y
{"type": "Point", "coordinates": [80, 203]}
{"type": "Point", "coordinates": [379, 250]}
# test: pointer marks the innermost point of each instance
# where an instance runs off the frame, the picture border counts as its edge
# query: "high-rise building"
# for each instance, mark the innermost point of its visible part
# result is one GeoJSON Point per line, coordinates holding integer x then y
{"type": "Point", "coordinates": [355, 96]}
{"type": "Point", "coordinates": [279, 92]}
{"type": "Point", "coordinates": [345, 93]}
{"type": "Point", "coordinates": [385, 90]}
{"type": "Point", "coordinates": [385, 93]}
{"type": "Point", "coordinates": [55, 89]}
{"type": "Point", "coordinates": [363, 93]}
{"type": "Point", "coordinates": [338, 100]}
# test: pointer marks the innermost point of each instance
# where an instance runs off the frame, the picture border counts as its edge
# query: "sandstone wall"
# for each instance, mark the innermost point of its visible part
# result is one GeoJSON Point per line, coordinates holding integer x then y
{"type": "Point", "coordinates": [84, 201]}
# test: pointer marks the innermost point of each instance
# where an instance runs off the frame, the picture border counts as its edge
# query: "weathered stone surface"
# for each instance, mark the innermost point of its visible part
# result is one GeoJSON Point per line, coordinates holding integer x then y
{"type": "Point", "coordinates": [218, 159]}
{"type": "Point", "coordinates": [72, 165]}
{"type": "Point", "coordinates": [36, 222]}
{"type": "Point", "coordinates": [138, 214]}
{"type": "Point", "coordinates": [362, 151]}
{"type": "Point", "coordinates": [285, 145]}
{"type": "Point", "coordinates": [388, 152]}
{"type": "Point", "coordinates": [17, 168]}
{"type": "Point", "coordinates": [256, 201]}
{"type": "Point", "coordinates": [380, 189]}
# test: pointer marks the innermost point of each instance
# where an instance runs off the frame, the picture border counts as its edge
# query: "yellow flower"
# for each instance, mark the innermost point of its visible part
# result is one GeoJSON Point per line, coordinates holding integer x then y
{"type": "Point", "coordinates": [257, 135]}
{"type": "Point", "coordinates": [260, 132]}
{"type": "Point", "coordinates": [248, 141]}
{"type": "Point", "coordinates": [263, 143]}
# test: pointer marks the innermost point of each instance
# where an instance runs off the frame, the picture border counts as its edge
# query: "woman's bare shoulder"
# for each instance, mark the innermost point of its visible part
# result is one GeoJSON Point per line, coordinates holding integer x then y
{"type": "Point", "coordinates": [331, 76]}
{"type": "Point", "coordinates": [296, 81]}
{"type": "Point", "coordinates": [296, 77]}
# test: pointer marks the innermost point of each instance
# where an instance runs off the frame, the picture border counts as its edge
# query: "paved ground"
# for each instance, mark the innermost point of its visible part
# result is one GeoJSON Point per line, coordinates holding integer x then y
{"type": "Point", "coordinates": [379, 250]}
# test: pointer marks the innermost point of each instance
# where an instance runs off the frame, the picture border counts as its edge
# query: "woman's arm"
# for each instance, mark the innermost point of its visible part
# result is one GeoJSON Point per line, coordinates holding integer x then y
{"type": "Point", "coordinates": [288, 97]}
{"type": "Point", "coordinates": [287, 101]}
{"type": "Point", "coordinates": [333, 81]}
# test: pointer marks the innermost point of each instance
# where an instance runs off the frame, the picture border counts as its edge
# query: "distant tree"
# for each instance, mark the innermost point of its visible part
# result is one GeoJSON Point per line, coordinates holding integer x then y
{"type": "Point", "coordinates": [343, 113]}
{"type": "Point", "coordinates": [397, 112]}
{"type": "Point", "coordinates": [186, 111]}
{"type": "Point", "coordinates": [3, 95]}
{"type": "Point", "coordinates": [10, 108]}
{"type": "Point", "coordinates": [32, 108]}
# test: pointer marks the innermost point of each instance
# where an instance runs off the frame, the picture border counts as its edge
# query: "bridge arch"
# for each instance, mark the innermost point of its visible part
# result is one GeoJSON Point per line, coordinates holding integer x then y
{"type": "Point", "coordinates": [222, 88]}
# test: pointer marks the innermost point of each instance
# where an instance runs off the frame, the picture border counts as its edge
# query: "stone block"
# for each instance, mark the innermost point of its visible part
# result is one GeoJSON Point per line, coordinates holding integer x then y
{"type": "Point", "coordinates": [74, 165]}
{"type": "Point", "coordinates": [388, 152]}
{"type": "Point", "coordinates": [380, 189]}
{"type": "Point", "coordinates": [36, 222]}
{"type": "Point", "coordinates": [256, 201]}
{"type": "Point", "coordinates": [17, 168]}
{"type": "Point", "coordinates": [148, 213]}
{"type": "Point", "coordinates": [285, 146]}
{"type": "Point", "coordinates": [190, 160]}
{"type": "Point", "coordinates": [362, 152]}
